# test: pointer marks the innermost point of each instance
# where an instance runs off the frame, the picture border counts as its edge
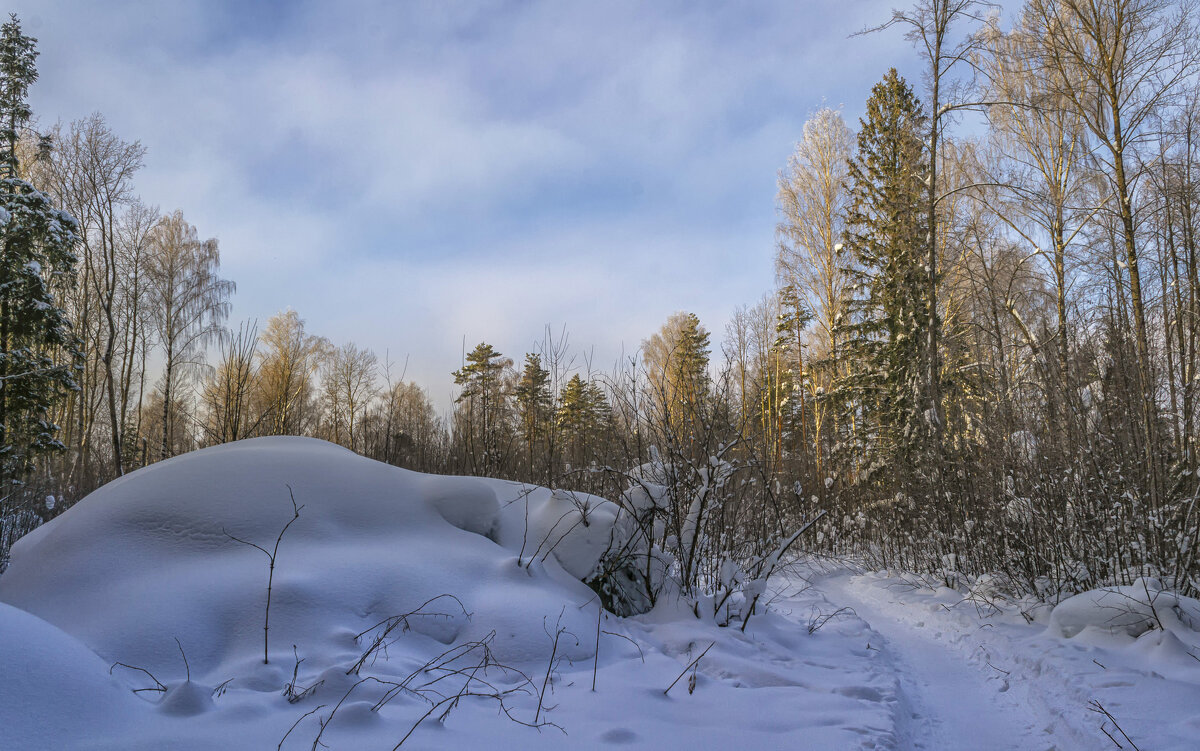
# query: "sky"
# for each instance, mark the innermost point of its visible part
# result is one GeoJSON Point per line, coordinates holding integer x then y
{"type": "Point", "coordinates": [413, 176]}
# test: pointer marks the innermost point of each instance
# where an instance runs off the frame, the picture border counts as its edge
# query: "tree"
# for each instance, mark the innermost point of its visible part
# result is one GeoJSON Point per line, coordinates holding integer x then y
{"type": "Point", "coordinates": [932, 25]}
{"type": "Point", "coordinates": [885, 241]}
{"type": "Point", "coordinates": [1116, 62]}
{"type": "Point", "coordinates": [791, 382]}
{"type": "Point", "coordinates": [288, 359]}
{"type": "Point", "coordinates": [812, 199]}
{"type": "Point", "coordinates": [676, 360]}
{"type": "Point", "coordinates": [412, 433]}
{"type": "Point", "coordinates": [534, 409]}
{"type": "Point", "coordinates": [137, 232]}
{"type": "Point", "coordinates": [229, 387]}
{"type": "Point", "coordinates": [582, 415]}
{"type": "Point", "coordinates": [189, 303]}
{"type": "Point", "coordinates": [92, 171]}
{"type": "Point", "coordinates": [38, 351]}
{"type": "Point", "coordinates": [482, 418]}
{"type": "Point", "coordinates": [347, 386]}
{"type": "Point", "coordinates": [1047, 192]}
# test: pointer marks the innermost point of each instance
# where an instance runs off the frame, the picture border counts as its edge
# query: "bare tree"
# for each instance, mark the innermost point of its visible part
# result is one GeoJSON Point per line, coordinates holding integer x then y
{"type": "Point", "coordinates": [347, 386]}
{"type": "Point", "coordinates": [1116, 63]}
{"type": "Point", "coordinates": [229, 387]}
{"type": "Point", "coordinates": [288, 361]}
{"type": "Point", "coordinates": [189, 303]}
{"type": "Point", "coordinates": [137, 234]}
{"type": "Point", "coordinates": [407, 431]}
{"type": "Point", "coordinates": [812, 201]}
{"type": "Point", "coordinates": [1047, 188]}
{"type": "Point", "coordinates": [91, 171]}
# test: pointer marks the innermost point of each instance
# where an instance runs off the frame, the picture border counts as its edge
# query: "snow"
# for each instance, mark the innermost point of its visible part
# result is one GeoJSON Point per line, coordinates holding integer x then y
{"type": "Point", "coordinates": [43, 668]}
{"type": "Point", "coordinates": [432, 573]}
{"type": "Point", "coordinates": [572, 527]}
{"type": "Point", "coordinates": [1128, 611]}
{"type": "Point", "coordinates": [978, 671]}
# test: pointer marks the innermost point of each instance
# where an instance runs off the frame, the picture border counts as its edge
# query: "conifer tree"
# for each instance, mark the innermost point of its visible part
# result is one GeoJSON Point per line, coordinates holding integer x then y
{"type": "Point", "coordinates": [533, 404]}
{"type": "Point", "coordinates": [583, 412]}
{"type": "Point", "coordinates": [676, 361]}
{"type": "Point", "coordinates": [889, 313]}
{"type": "Point", "coordinates": [790, 382]}
{"type": "Point", "coordinates": [484, 408]}
{"type": "Point", "coordinates": [38, 351]}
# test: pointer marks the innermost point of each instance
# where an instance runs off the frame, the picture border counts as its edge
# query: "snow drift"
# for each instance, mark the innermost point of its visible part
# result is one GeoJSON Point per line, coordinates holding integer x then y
{"type": "Point", "coordinates": [1130, 610]}
{"type": "Point", "coordinates": [145, 571]}
{"type": "Point", "coordinates": [149, 558]}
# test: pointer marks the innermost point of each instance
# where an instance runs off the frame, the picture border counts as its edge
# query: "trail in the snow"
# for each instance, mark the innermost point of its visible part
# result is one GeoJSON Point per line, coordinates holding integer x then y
{"type": "Point", "coordinates": [950, 697]}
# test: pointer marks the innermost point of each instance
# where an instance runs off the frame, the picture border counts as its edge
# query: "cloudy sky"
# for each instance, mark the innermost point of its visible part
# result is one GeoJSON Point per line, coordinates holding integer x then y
{"type": "Point", "coordinates": [408, 175]}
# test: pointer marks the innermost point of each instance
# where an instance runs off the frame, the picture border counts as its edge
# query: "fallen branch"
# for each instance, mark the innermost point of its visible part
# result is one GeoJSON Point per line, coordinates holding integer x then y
{"type": "Point", "coordinates": [636, 646]}
{"type": "Point", "coordinates": [768, 564]}
{"type": "Point", "coordinates": [815, 622]}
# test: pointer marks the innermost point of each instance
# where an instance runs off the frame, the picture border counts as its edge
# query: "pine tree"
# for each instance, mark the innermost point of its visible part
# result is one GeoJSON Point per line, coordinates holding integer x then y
{"type": "Point", "coordinates": [38, 351]}
{"type": "Point", "coordinates": [889, 313]}
{"type": "Point", "coordinates": [483, 417]}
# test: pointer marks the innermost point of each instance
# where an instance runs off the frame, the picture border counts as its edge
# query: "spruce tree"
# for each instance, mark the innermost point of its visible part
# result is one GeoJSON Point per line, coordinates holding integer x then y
{"type": "Point", "coordinates": [38, 351]}
{"type": "Point", "coordinates": [689, 376]}
{"type": "Point", "coordinates": [573, 418]}
{"type": "Point", "coordinates": [583, 413]}
{"type": "Point", "coordinates": [533, 404]}
{"type": "Point", "coordinates": [785, 387]}
{"type": "Point", "coordinates": [890, 313]}
{"type": "Point", "coordinates": [676, 360]}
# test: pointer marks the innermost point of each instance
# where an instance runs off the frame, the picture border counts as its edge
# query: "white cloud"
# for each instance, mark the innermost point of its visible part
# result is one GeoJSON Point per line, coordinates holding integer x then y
{"type": "Point", "coordinates": [406, 174]}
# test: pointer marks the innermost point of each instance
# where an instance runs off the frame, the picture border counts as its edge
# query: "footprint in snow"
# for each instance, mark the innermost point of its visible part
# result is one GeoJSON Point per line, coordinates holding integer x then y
{"type": "Point", "coordinates": [619, 735]}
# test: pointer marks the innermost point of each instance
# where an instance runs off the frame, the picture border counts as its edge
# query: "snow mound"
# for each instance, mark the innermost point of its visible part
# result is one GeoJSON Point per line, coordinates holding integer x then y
{"type": "Point", "coordinates": [1126, 610]}
{"type": "Point", "coordinates": [43, 667]}
{"type": "Point", "coordinates": [150, 559]}
{"type": "Point", "coordinates": [572, 527]}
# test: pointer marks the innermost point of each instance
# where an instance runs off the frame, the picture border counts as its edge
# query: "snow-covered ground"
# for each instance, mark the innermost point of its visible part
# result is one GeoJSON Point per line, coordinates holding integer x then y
{"type": "Point", "coordinates": [398, 590]}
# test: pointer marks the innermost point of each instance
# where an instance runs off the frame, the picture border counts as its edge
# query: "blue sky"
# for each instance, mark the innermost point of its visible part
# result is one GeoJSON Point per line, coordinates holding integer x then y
{"type": "Point", "coordinates": [407, 174]}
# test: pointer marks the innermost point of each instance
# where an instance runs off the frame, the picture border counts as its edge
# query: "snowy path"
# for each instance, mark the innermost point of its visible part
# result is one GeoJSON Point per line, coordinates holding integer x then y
{"type": "Point", "coordinates": [949, 697]}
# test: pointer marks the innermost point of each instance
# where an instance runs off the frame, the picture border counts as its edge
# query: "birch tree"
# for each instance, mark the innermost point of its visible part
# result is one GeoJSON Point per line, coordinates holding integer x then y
{"type": "Point", "coordinates": [189, 304]}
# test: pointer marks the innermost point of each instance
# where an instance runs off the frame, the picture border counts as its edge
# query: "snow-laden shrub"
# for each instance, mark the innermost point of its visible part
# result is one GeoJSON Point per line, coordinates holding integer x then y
{"type": "Point", "coordinates": [14, 526]}
{"type": "Point", "coordinates": [631, 572]}
{"type": "Point", "coordinates": [605, 544]}
{"type": "Point", "coordinates": [1129, 610]}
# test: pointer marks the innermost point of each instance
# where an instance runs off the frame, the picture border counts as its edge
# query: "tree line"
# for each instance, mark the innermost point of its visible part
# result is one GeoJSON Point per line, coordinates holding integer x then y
{"type": "Point", "coordinates": [980, 357]}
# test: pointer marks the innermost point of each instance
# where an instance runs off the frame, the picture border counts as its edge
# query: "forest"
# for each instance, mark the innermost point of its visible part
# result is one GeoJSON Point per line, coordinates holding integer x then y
{"type": "Point", "coordinates": [980, 357]}
{"type": "Point", "coordinates": [935, 489]}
